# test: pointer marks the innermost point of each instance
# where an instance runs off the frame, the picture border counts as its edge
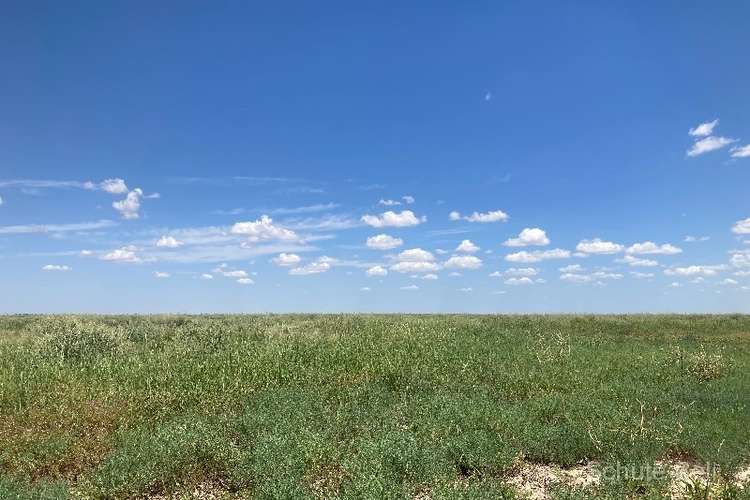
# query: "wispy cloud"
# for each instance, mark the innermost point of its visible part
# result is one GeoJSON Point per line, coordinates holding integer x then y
{"type": "Point", "coordinates": [46, 184]}
{"type": "Point", "coordinates": [307, 209]}
{"type": "Point", "coordinates": [704, 129]}
{"type": "Point", "coordinates": [56, 228]}
{"type": "Point", "coordinates": [709, 144]}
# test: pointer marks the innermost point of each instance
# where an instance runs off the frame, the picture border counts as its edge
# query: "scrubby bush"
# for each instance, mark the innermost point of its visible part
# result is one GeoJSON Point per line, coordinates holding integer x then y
{"type": "Point", "coordinates": [706, 366]}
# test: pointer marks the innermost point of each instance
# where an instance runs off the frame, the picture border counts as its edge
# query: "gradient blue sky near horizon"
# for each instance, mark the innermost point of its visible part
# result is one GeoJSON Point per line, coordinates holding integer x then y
{"type": "Point", "coordinates": [420, 157]}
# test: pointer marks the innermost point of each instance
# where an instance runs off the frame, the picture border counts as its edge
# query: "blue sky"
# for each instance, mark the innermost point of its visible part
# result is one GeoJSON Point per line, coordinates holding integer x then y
{"type": "Point", "coordinates": [430, 157]}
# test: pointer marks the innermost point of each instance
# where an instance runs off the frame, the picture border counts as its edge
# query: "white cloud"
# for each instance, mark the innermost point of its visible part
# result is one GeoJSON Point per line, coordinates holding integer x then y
{"type": "Point", "coordinates": [528, 237]}
{"type": "Point", "coordinates": [636, 262]}
{"type": "Point", "coordinates": [595, 277]}
{"type": "Point", "coordinates": [740, 258]}
{"type": "Point", "coordinates": [430, 276]}
{"type": "Point", "coordinates": [1, 201]}
{"type": "Point", "coordinates": [640, 275]}
{"type": "Point", "coordinates": [597, 246]}
{"type": "Point", "coordinates": [467, 246]}
{"type": "Point", "coordinates": [649, 247]}
{"type": "Point", "coordinates": [365, 289]}
{"type": "Point", "coordinates": [206, 276]}
{"type": "Point", "coordinates": [466, 290]}
{"type": "Point", "coordinates": [485, 217]}
{"type": "Point", "coordinates": [384, 242]}
{"type": "Point", "coordinates": [159, 274]}
{"type": "Point", "coordinates": [415, 255]}
{"type": "Point", "coordinates": [287, 259]}
{"type": "Point", "coordinates": [130, 206]}
{"type": "Point", "coordinates": [573, 268]}
{"type": "Point", "coordinates": [704, 129]}
{"type": "Point", "coordinates": [694, 271]}
{"type": "Point", "coordinates": [408, 199]}
{"type": "Point", "coordinates": [607, 276]}
{"type": "Point", "coordinates": [389, 203]}
{"type": "Point", "coordinates": [742, 226]}
{"type": "Point", "coordinates": [168, 242]}
{"type": "Point", "coordinates": [56, 228]}
{"type": "Point", "coordinates": [263, 229]}
{"type": "Point", "coordinates": [85, 253]}
{"type": "Point", "coordinates": [729, 281]}
{"type": "Point", "coordinates": [393, 219]}
{"type": "Point", "coordinates": [519, 281]}
{"type": "Point", "coordinates": [245, 281]}
{"type": "Point", "coordinates": [709, 144]}
{"type": "Point", "coordinates": [124, 254]}
{"type": "Point", "coordinates": [521, 271]}
{"type": "Point", "coordinates": [56, 267]}
{"type": "Point", "coordinates": [526, 257]}
{"type": "Point", "coordinates": [376, 271]}
{"type": "Point", "coordinates": [415, 267]}
{"type": "Point", "coordinates": [674, 284]}
{"type": "Point", "coordinates": [463, 262]}
{"type": "Point", "coordinates": [114, 186]}
{"type": "Point", "coordinates": [410, 287]}
{"type": "Point", "coordinates": [322, 265]}
{"type": "Point", "coordinates": [741, 151]}
{"type": "Point", "coordinates": [575, 278]}
{"type": "Point", "coordinates": [238, 273]}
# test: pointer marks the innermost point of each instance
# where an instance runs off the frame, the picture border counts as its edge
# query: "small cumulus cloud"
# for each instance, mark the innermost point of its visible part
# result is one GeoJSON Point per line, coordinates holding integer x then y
{"type": "Point", "coordinates": [123, 254]}
{"type": "Point", "coordinates": [322, 265]}
{"type": "Point", "coordinates": [467, 246]}
{"type": "Point", "coordinates": [376, 271]}
{"type": "Point", "coordinates": [263, 229]}
{"type": "Point", "coordinates": [529, 237]}
{"type": "Point", "coordinates": [637, 262]}
{"type": "Point", "coordinates": [130, 206]}
{"type": "Point", "coordinates": [742, 226]}
{"type": "Point", "coordinates": [598, 246]}
{"type": "Point", "coordinates": [694, 270]}
{"type": "Point", "coordinates": [384, 242]}
{"type": "Point", "coordinates": [519, 281]}
{"type": "Point", "coordinates": [405, 218]}
{"type": "Point", "coordinates": [527, 257]}
{"type": "Point", "coordinates": [287, 259]}
{"type": "Point", "coordinates": [709, 144]}
{"type": "Point", "coordinates": [56, 267]}
{"type": "Point", "coordinates": [463, 262]}
{"type": "Point", "coordinates": [649, 247]}
{"type": "Point", "coordinates": [168, 242]}
{"type": "Point", "coordinates": [113, 186]}
{"type": "Point", "coordinates": [485, 217]}
{"type": "Point", "coordinates": [704, 129]}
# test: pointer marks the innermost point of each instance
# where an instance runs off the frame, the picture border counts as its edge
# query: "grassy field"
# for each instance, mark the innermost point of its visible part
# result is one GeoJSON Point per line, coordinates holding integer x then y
{"type": "Point", "coordinates": [372, 406]}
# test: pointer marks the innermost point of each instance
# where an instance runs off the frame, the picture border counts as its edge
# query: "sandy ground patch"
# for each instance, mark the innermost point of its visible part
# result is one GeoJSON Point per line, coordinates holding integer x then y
{"type": "Point", "coordinates": [535, 481]}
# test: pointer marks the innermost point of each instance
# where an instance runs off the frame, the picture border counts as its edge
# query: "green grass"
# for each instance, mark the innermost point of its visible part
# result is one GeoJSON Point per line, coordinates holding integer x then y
{"type": "Point", "coordinates": [362, 406]}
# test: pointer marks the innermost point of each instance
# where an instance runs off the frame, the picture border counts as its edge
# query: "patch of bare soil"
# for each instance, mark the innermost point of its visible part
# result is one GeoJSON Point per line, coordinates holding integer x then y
{"type": "Point", "coordinates": [535, 481]}
{"type": "Point", "coordinates": [208, 490]}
